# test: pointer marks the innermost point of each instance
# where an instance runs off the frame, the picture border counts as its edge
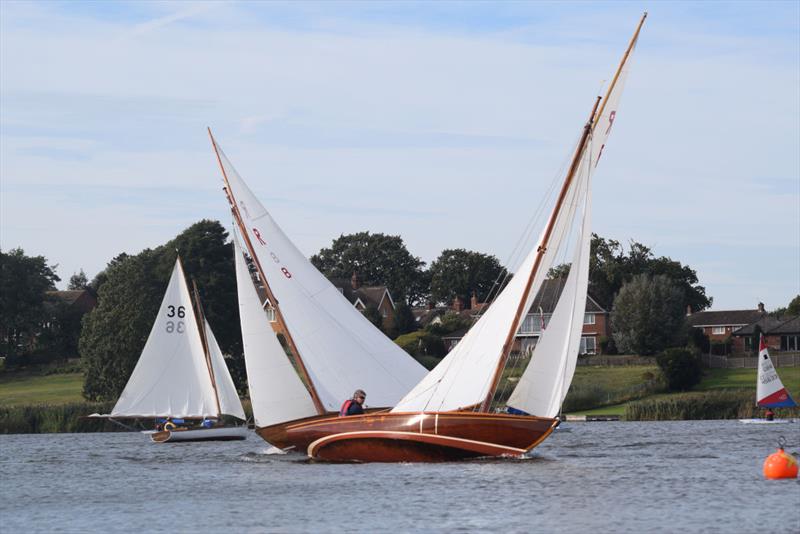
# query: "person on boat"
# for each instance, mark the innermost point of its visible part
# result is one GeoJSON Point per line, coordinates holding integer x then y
{"type": "Point", "coordinates": [207, 423]}
{"type": "Point", "coordinates": [769, 415]}
{"type": "Point", "coordinates": [355, 405]}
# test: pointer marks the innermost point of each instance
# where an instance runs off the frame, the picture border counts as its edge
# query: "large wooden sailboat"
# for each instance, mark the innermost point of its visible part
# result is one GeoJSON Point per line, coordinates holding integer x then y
{"type": "Point", "coordinates": [335, 349]}
{"type": "Point", "coordinates": [452, 413]}
{"type": "Point", "coordinates": [181, 376]}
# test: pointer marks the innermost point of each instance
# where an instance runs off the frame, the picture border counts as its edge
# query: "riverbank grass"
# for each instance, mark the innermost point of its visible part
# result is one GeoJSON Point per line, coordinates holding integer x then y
{"type": "Point", "coordinates": [21, 389]}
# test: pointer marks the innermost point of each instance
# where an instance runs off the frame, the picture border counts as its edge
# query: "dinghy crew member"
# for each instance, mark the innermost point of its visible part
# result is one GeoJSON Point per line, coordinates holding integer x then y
{"type": "Point", "coordinates": [769, 415]}
{"type": "Point", "coordinates": [353, 406]}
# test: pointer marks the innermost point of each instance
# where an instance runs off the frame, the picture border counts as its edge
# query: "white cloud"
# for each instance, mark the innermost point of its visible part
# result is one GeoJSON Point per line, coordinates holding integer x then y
{"type": "Point", "coordinates": [447, 137]}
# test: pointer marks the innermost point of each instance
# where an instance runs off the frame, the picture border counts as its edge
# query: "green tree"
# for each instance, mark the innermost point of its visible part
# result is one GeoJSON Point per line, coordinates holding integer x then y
{"type": "Point", "coordinates": [59, 339]}
{"type": "Point", "coordinates": [403, 321]}
{"type": "Point", "coordinates": [681, 368]}
{"type": "Point", "coordinates": [24, 281]}
{"type": "Point", "coordinates": [78, 281]}
{"type": "Point", "coordinates": [794, 306]}
{"type": "Point", "coordinates": [648, 315]}
{"type": "Point", "coordinates": [458, 272]}
{"type": "Point", "coordinates": [378, 259]}
{"type": "Point", "coordinates": [610, 267]}
{"type": "Point", "coordinates": [115, 332]}
{"type": "Point", "coordinates": [374, 316]}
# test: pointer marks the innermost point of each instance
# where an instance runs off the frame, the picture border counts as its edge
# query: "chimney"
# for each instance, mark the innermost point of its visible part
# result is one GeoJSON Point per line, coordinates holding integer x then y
{"type": "Point", "coordinates": [473, 301]}
{"type": "Point", "coordinates": [688, 310]}
{"type": "Point", "coordinates": [761, 307]}
{"type": "Point", "coordinates": [355, 283]}
{"type": "Point", "coordinates": [458, 304]}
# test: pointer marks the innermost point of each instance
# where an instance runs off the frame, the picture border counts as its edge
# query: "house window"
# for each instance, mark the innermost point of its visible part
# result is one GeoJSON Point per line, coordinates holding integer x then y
{"type": "Point", "coordinates": [384, 313]}
{"type": "Point", "coordinates": [588, 318]}
{"type": "Point", "coordinates": [718, 330]}
{"type": "Point", "coordinates": [532, 324]}
{"type": "Point", "coordinates": [790, 342]}
{"type": "Point", "coordinates": [748, 344]}
{"type": "Point", "coordinates": [270, 314]}
{"type": "Point", "coordinates": [588, 345]}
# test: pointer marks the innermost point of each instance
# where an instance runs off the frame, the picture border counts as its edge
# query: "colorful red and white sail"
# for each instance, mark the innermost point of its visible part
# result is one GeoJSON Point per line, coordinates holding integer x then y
{"type": "Point", "coordinates": [770, 392]}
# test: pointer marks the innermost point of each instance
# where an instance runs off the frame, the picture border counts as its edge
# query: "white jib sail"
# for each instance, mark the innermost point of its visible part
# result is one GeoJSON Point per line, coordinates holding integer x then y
{"type": "Point", "coordinates": [462, 379]}
{"type": "Point", "coordinates": [276, 392]}
{"type": "Point", "coordinates": [546, 380]}
{"type": "Point", "coordinates": [171, 378]}
{"type": "Point", "coordinates": [342, 351]}
{"type": "Point", "coordinates": [229, 402]}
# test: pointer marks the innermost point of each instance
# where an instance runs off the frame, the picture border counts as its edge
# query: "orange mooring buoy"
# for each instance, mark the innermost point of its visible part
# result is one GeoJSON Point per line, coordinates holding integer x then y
{"type": "Point", "coordinates": [780, 464]}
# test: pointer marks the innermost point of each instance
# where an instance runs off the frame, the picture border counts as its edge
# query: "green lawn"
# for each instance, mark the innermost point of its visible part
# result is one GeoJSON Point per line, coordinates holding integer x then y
{"type": "Point", "coordinates": [622, 377]}
{"type": "Point", "coordinates": [746, 379]}
{"type": "Point", "coordinates": [20, 389]}
{"type": "Point", "coordinates": [613, 378]}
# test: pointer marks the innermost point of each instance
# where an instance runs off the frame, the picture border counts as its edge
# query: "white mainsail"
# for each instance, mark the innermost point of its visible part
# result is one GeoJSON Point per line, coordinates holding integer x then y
{"type": "Point", "coordinates": [342, 351]}
{"type": "Point", "coordinates": [171, 378]}
{"type": "Point", "coordinates": [229, 402]}
{"type": "Point", "coordinates": [276, 392]}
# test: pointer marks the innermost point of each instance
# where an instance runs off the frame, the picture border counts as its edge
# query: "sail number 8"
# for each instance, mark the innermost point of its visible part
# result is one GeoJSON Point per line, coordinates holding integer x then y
{"type": "Point", "coordinates": [172, 326]}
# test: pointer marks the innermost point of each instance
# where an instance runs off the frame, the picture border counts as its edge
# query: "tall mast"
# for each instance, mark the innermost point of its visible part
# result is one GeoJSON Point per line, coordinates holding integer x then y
{"type": "Point", "coordinates": [201, 325]}
{"type": "Point", "coordinates": [506, 350]}
{"type": "Point", "coordinates": [621, 65]}
{"type": "Point", "coordinates": [270, 295]}
{"type": "Point", "coordinates": [587, 131]}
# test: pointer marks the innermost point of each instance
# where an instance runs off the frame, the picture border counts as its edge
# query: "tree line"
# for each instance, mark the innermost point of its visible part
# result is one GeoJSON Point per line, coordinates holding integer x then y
{"type": "Point", "coordinates": [130, 288]}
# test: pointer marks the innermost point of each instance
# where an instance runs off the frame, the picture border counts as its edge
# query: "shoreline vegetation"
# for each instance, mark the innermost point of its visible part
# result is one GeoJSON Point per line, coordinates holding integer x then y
{"type": "Point", "coordinates": [48, 399]}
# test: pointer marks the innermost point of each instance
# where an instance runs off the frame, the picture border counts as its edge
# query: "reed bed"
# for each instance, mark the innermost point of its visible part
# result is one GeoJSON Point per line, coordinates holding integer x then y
{"type": "Point", "coordinates": [44, 418]}
{"type": "Point", "coordinates": [588, 397]}
{"type": "Point", "coordinates": [715, 404]}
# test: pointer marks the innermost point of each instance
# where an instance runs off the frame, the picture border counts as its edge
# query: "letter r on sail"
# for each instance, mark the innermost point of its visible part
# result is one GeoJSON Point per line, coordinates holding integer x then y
{"type": "Point", "coordinates": [258, 236]}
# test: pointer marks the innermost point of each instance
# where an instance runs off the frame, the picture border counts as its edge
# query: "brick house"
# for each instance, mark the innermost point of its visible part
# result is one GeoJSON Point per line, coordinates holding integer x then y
{"type": "Point", "coordinates": [363, 297]}
{"type": "Point", "coordinates": [596, 324]}
{"type": "Point", "coordinates": [720, 325]}
{"type": "Point", "coordinates": [781, 334]}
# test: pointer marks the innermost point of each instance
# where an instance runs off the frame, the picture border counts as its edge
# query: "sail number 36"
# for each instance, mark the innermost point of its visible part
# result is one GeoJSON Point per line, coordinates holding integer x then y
{"type": "Point", "coordinates": [173, 326]}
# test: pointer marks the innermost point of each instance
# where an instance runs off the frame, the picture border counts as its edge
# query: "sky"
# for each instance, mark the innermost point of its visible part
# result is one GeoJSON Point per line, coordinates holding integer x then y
{"type": "Point", "coordinates": [444, 123]}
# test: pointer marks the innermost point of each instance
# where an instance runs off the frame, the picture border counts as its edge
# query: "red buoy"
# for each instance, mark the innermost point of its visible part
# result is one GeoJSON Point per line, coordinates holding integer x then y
{"type": "Point", "coordinates": [780, 465]}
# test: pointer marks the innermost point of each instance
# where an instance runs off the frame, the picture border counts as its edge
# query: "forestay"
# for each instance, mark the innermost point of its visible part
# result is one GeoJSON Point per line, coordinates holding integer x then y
{"type": "Point", "coordinates": [171, 378]}
{"type": "Point", "coordinates": [276, 392]}
{"type": "Point", "coordinates": [462, 379]}
{"type": "Point", "coordinates": [342, 351]}
{"type": "Point", "coordinates": [546, 380]}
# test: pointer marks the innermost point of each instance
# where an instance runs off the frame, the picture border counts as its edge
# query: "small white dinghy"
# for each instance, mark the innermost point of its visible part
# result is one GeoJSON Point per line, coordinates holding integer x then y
{"type": "Point", "coordinates": [770, 392]}
{"type": "Point", "coordinates": [181, 375]}
{"type": "Point", "coordinates": [223, 433]}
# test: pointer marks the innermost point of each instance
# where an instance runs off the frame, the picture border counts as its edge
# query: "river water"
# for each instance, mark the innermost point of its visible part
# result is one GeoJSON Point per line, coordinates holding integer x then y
{"type": "Point", "coordinates": [692, 476]}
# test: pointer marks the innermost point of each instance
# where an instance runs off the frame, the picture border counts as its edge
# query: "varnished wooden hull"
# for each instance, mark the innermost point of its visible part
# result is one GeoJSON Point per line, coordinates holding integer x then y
{"type": "Point", "coordinates": [420, 436]}
{"type": "Point", "coordinates": [199, 434]}
{"type": "Point", "coordinates": [278, 436]}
